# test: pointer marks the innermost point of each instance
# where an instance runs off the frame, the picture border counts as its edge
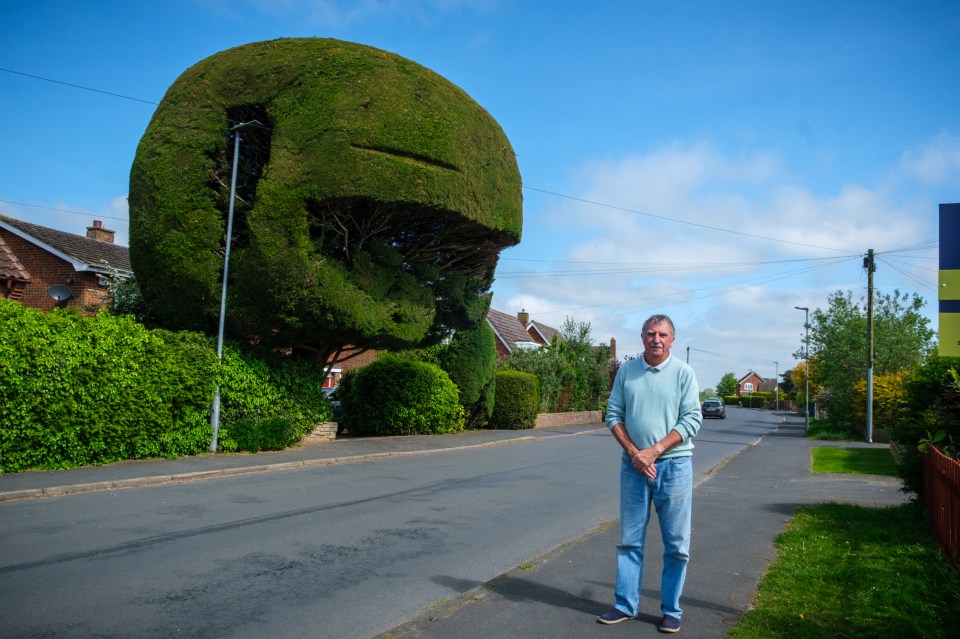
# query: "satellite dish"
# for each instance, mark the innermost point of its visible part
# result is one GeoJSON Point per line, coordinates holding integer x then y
{"type": "Point", "coordinates": [59, 292]}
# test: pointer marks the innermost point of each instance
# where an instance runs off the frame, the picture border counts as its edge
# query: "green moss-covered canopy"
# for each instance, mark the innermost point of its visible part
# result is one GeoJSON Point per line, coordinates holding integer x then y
{"type": "Point", "coordinates": [373, 198]}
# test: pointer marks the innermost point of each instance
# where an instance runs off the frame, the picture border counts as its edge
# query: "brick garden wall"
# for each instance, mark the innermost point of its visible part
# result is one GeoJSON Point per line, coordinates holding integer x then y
{"type": "Point", "coordinates": [554, 420]}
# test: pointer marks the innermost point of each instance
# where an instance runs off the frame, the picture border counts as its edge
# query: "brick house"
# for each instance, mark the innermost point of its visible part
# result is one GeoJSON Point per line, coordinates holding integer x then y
{"type": "Point", "coordinates": [753, 383]}
{"type": "Point", "coordinates": [517, 331]}
{"type": "Point", "coordinates": [45, 268]}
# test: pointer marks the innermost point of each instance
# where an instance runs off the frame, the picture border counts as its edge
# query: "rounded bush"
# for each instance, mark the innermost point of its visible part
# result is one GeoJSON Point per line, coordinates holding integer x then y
{"type": "Point", "coordinates": [395, 396]}
{"type": "Point", "coordinates": [517, 402]}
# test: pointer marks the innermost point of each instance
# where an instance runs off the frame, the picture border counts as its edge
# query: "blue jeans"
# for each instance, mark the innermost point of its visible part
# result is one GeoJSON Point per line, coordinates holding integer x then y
{"type": "Point", "coordinates": [672, 495]}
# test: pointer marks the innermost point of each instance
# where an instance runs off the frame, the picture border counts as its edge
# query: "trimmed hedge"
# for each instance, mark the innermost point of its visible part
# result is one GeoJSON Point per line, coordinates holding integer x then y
{"type": "Point", "coordinates": [471, 362]}
{"type": "Point", "coordinates": [376, 197]}
{"type": "Point", "coordinates": [79, 390]}
{"type": "Point", "coordinates": [398, 396]}
{"type": "Point", "coordinates": [518, 401]}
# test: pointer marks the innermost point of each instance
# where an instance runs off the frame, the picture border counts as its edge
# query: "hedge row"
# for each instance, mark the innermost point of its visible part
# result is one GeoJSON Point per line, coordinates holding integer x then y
{"type": "Point", "coordinates": [79, 390]}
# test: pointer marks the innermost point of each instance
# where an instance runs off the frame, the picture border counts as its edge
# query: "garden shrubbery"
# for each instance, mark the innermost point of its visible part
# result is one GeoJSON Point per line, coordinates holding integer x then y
{"type": "Point", "coordinates": [471, 362]}
{"type": "Point", "coordinates": [400, 396]}
{"type": "Point", "coordinates": [931, 404]}
{"type": "Point", "coordinates": [574, 374]}
{"type": "Point", "coordinates": [518, 401]}
{"type": "Point", "coordinates": [268, 404]}
{"type": "Point", "coordinates": [79, 390]}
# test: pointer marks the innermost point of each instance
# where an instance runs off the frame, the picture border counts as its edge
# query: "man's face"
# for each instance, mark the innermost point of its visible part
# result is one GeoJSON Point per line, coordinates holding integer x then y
{"type": "Point", "coordinates": [657, 341]}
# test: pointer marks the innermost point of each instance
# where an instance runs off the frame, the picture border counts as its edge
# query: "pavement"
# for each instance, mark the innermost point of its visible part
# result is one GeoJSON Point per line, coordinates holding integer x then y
{"type": "Point", "coordinates": [739, 508]}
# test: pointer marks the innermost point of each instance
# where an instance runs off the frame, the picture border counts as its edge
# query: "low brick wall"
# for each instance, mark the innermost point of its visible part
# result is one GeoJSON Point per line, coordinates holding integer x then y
{"type": "Point", "coordinates": [553, 420]}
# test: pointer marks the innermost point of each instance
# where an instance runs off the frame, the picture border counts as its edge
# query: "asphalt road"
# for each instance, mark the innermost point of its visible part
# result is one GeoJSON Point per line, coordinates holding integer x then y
{"type": "Point", "coordinates": [337, 551]}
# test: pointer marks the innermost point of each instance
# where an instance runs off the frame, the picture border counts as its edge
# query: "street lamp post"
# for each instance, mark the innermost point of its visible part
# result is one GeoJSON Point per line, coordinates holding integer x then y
{"type": "Point", "coordinates": [776, 385]}
{"type": "Point", "coordinates": [806, 362]}
{"type": "Point", "coordinates": [215, 411]}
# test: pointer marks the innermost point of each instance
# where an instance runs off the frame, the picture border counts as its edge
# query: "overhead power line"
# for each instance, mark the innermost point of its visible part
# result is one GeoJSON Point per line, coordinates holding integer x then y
{"type": "Point", "coordinates": [50, 208]}
{"type": "Point", "coordinates": [696, 224]}
{"type": "Point", "coordinates": [648, 267]}
{"type": "Point", "coordinates": [77, 86]}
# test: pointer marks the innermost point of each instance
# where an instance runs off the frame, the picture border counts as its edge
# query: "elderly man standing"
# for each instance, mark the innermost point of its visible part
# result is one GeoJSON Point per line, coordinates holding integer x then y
{"type": "Point", "coordinates": [654, 413]}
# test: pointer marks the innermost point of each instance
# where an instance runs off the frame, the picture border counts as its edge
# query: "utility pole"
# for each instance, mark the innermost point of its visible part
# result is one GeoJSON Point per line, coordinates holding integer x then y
{"type": "Point", "coordinates": [871, 267]}
{"type": "Point", "coordinates": [806, 361]}
{"type": "Point", "coordinates": [776, 384]}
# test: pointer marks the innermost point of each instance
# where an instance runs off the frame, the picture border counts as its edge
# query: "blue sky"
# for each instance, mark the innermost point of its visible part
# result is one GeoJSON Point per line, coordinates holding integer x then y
{"type": "Point", "coordinates": [720, 162]}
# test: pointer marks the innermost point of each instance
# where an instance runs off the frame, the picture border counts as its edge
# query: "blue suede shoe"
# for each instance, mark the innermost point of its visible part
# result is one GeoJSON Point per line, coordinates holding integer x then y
{"type": "Point", "coordinates": [613, 616]}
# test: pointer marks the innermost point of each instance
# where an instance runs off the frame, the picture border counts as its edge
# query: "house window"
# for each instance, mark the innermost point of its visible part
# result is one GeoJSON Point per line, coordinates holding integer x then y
{"type": "Point", "coordinates": [748, 387]}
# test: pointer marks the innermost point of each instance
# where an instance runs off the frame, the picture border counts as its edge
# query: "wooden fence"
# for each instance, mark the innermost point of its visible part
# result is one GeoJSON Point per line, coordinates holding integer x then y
{"type": "Point", "coordinates": [941, 489]}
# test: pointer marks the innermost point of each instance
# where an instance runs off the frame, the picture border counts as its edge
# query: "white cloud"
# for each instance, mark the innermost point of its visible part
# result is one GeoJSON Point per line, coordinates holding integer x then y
{"type": "Point", "coordinates": [934, 162]}
{"type": "Point", "coordinates": [657, 214]}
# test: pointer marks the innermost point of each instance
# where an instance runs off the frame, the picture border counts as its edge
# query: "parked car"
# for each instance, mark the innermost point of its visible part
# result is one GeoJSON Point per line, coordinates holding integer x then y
{"type": "Point", "coordinates": [333, 396]}
{"type": "Point", "coordinates": [713, 407]}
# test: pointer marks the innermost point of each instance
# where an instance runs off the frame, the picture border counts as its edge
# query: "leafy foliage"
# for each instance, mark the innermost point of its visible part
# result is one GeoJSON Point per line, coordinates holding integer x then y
{"type": "Point", "coordinates": [931, 404]}
{"type": "Point", "coordinates": [838, 351]}
{"type": "Point", "coordinates": [397, 396]}
{"type": "Point", "coordinates": [888, 399]}
{"type": "Point", "coordinates": [79, 390]}
{"type": "Point", "coordinates": [574, 374]}
{"type": "Point", "coordinates": [372, 201]}
{"type": "Point", "coordinates": [471, 362]}
{"type": "Point", "coordinates": [268, 405]}
{"type": "Point", "coordinates": [727, 385]}
{"type": "Point", "coordinates": [87, 391]}
{"type": "Point", "coordinates": [518, 401]}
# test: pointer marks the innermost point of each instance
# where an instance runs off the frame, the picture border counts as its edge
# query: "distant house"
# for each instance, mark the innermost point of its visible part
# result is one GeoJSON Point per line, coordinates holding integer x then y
{"type": "Point", "coordinates": [753, 383]}
{"type": "Point", "coordinates": [45, 268]}
{"type": "Point", "coordinates": [514, 332]}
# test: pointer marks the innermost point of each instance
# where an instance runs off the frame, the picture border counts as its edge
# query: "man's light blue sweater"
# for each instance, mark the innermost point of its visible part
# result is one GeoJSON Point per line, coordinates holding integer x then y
{"type": "Point", "coordinates": [652, 401]}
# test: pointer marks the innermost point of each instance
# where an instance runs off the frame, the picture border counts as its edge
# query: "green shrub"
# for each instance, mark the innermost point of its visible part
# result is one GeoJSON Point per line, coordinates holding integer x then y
{"type": "Point", "coordinates": [79, 391]}
{"type": "Point", "coordinates": [731, 400]}
{"type": "Point", "coordinates": [396, 396]}
{"type": "Point", "coordinates": [471, 362]}
{"type": "Point", "coordinates": [931, 404]}
{"type": "Point", "coordinates": [254, 390]}
{"type": "Point", "coordinates": [518, 401]}
{"type": "Point", "coordinates": [271, 433]}
{"type": "Point", "coordinates": [755, 400]}
{"type": "Point", "coordinates": [574, 374]}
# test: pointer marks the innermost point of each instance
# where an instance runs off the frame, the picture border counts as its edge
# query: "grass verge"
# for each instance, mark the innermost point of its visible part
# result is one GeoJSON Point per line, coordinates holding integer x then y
{"type": "Point", "coordinates": [850, 571]}
{"type": "Point", "coordinates": [869, 461]}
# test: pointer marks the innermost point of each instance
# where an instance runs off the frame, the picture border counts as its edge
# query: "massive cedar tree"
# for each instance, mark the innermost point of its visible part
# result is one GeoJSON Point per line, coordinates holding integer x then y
{"type": "Point", "coordinates": [373, 198]}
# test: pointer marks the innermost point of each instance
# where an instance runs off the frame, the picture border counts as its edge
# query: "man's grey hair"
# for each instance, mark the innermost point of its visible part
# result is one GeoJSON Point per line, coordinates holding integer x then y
{"type": "Point", "coordinates": [660, 319]}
